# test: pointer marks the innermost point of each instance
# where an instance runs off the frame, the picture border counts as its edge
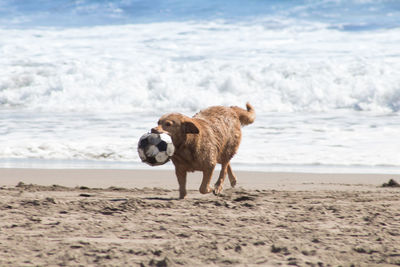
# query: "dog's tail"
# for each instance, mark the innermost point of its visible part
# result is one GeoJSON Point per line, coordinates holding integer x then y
{"type": "Point", "coordinates": [246, 117]}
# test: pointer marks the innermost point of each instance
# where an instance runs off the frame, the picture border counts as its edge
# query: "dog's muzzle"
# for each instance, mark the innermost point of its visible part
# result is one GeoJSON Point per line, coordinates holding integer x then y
{"type": "Point", "coordinates": [155, 130]}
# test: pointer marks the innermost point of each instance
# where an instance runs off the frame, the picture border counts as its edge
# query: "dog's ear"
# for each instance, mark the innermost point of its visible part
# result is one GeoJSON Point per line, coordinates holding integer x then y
{"type": "Point", "coordinates": [190, 127]}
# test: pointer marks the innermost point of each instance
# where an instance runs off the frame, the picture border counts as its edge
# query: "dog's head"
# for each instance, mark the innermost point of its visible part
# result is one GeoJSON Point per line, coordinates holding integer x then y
{"type": "Point", "coordinates": [176, 125]}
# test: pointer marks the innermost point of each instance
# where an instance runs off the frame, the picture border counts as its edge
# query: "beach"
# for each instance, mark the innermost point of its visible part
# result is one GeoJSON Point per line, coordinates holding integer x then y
{"type": "Point", "coordinates": [61, 217]}
{"type": "Point", "coordinates": [82, 81]}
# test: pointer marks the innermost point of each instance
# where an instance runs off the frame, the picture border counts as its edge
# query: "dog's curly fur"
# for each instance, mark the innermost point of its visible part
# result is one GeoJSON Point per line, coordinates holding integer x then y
{"type": "Point", "coordinates": [211, 136]}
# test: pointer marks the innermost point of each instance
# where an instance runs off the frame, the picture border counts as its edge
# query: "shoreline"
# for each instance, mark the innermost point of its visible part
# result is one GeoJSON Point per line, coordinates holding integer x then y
{"type": "Point", "coordinates": [32, 163]}
{"type": "Point", "coordinates": [104, 178]}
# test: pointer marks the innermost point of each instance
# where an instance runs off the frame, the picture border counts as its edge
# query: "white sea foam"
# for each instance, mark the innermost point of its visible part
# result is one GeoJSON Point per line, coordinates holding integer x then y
{"type": "Point", "coordinates": [188, 65]}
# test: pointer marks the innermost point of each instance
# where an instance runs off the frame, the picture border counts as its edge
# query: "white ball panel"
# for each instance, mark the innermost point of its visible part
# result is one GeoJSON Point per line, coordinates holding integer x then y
{"type": "Point", "coordinates": [162, 157]}
{"type": "Point", "coordinates": [141, 154]}
{"type": "Point", "coordinates": [151, 151]}
{"type": "Point", "coordinates": [165, 137]}
{"type": "Point", "coordinates": [154, 139]}
{"type": "Point", "coordinates": [170, 149]}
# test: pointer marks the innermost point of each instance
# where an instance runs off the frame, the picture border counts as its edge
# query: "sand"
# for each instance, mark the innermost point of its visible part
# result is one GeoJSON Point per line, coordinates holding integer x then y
{"type": "Point", "coordinates": [133, 218]}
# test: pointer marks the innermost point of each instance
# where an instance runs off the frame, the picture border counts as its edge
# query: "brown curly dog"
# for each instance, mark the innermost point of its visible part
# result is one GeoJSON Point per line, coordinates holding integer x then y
{"type": "Point", "coordinates": [211, 136]}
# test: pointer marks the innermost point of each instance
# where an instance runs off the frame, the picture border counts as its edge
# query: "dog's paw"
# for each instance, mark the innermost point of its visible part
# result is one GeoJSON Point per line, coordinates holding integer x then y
{"type": "Point", "coordinates": [217, 190]}
{"type": "Point", "coordinates": [206, 190]}
{"type": "Point", "coordinates": [182, 195]}
{"type": "Point", "coordinates": [233, 182]}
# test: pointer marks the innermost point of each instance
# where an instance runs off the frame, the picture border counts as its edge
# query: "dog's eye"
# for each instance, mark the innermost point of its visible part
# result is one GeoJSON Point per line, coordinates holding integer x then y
{"type": "Point", "coordinates": [168, 124]}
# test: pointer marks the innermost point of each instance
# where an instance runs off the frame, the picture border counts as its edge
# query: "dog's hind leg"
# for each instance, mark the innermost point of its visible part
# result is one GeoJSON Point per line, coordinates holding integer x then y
{"type": "Point", "coordinates": [220, 182]}
{"type": "Point", "coordinates": [205, 184]}
{"type": "Point", "coordinates": [232, 177]}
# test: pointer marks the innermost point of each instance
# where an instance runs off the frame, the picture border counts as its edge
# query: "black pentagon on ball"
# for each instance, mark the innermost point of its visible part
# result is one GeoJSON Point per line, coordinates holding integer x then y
{"type": "Point", "coordinates": [162, 146]}
{"type": "Point", "coordinates": [143, 143]}
{"type": "Point", "coordinates": [152, 161]}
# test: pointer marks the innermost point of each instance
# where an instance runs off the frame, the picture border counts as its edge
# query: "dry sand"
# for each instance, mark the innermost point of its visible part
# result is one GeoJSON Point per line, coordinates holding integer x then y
{"type": "Point", "coordinates": [132, 218]}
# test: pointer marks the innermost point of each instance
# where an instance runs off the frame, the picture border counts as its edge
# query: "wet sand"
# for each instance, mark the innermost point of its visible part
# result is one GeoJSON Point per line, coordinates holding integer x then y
{"type": "Point", "coordinates": [133, 218]}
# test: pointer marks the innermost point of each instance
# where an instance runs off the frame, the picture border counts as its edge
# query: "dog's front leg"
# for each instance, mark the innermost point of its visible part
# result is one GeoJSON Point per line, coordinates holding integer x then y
{"type": "Point", "coordinates": [205, 184]}
{"type": "Point", "coordinates": [181, 175]}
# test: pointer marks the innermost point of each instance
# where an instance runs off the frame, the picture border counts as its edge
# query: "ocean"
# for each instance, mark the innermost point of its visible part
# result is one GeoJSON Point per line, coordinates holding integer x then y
{"type": "Point", "coordinates": [81, 81]}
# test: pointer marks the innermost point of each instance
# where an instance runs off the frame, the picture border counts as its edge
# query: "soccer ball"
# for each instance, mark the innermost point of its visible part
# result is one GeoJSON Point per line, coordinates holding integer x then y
{"type": "Point", "coordinates": [155, 149]}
